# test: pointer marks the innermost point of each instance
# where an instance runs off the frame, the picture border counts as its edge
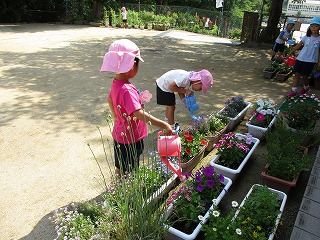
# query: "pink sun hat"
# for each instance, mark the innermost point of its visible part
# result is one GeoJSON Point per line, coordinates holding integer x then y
{"type": "Point", "coordinates": [206, 79]}
{"type": "Point", "coordinates": [120, 57]}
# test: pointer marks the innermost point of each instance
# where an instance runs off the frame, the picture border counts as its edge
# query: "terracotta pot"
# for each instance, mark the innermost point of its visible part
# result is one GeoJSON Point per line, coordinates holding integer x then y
{"type": "Point", "coordinates": [282, 77]}
{"type": "Point", "coordinates": [188, 166]}
{"type": "Point", "coordinates": [214, 139]}
{"type": "Point", "coordinates": [278, 183]}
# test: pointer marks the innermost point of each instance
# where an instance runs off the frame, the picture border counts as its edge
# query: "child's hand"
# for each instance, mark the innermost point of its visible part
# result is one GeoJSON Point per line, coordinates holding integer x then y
{"type": "Point", "coordinates": [189, 92]}
{"type": "Point", "coordinates": [168, 130]}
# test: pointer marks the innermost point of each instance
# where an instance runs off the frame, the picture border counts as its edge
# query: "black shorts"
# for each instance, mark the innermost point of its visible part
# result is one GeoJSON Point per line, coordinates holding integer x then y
{"type": "Point", "coordinates": [124, 20]}
{"type": "Point", "coordinates": [165, 98]}
{"type": "Point", "coordinates": [278, 47]}
{"type": "Point", "coordinates": [127, 155]}
{"type": "Point", "coordinates": [304, 68]}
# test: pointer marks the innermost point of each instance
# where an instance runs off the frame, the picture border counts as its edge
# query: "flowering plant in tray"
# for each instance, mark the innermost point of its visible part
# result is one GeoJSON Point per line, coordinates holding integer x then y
{"type": "Point", "coordinates": [191, 143]}
{"type": "Point", "coordinates": [263, 113]}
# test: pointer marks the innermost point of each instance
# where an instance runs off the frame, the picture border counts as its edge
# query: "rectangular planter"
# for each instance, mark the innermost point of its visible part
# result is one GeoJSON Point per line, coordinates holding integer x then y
{"type": "Point", "coordinates": [283, 77]}
{"type": "Point", "coordinates": [214, 139]}
{"type": "Point", "coordinates": [269, 75]}
{"type": "Point", "coordinates": [258, 132]}
{"type": "Point", "coordinates": [188, 166]}
{"type": "Point", "coordinates": [281, 196]}
{"type": "Point", "coordinates": [235, 121]}
{"type": "Point", "coordinates": [229, 172]}
{"type": "Point", "coordinates": [175, 234]}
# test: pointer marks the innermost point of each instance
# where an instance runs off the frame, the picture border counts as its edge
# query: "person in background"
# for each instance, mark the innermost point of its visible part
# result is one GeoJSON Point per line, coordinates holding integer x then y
{"type": "Point", "coordinates": [308, 57]}
{"type": "Point", "coordinates": [284, 36]}
{"type": "Point", "coordinates": [180, 81]}
{"type": "Point", "coordinates": [124, 17]}
{"type": "Point", "coordinates": [125, 103]}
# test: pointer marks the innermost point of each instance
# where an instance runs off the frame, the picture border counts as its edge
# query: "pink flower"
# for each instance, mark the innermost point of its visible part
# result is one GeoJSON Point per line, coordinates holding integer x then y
{"type": "Point", "coordinates": [260, 117]}
{"type": "Point", "coordinates": [145, 96]}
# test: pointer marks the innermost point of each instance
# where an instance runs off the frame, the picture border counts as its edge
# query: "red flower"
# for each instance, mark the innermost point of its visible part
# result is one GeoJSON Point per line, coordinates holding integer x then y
{"type": "Point", "coordinates": [188, 151]}
{"type": "Point", "coordinates": [203, 142]}
{"type": "Point", "coordinates": [186, 134]}
{"type": "Point", "coordinates": [189, 138]}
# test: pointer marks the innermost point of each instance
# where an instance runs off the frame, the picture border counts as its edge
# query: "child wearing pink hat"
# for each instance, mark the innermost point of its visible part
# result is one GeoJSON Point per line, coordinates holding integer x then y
{"type": "Point", "coordinates": [130, 119]}
{"type": "Point", "coordinates": [180, 81]}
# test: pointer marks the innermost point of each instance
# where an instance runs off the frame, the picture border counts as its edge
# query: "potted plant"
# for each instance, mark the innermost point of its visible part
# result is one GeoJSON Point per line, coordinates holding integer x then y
{"type": "Point", "coordinates": [270, 71]}
{"type": "Point", "coordinates": [193, 146]}
{"type": "Point", "coordinates": [257, 217]}
{"type": "Point", "coordinates": [235, 109]}
{"type": "Point", "coordinates": [149, 25]}
{"type": "Point", "coordinates": [284, 159]}
{"type": "Point", "coordinates": [284, 72]}
{"type": "Point", "coordinates": [262, 118]}
{"type": "Point", "coordinates": [189, 206]}
{"type": "Point", "coordinates": [301, 113]}
{"type": "Point", "coordinates": [234, 151]}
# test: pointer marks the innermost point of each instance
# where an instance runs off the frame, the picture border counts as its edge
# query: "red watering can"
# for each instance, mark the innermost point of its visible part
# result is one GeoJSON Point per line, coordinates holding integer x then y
{"type": "Point", "coordinates": [169, 146]}
{"type": "Point", "coordinates": [290, 61]}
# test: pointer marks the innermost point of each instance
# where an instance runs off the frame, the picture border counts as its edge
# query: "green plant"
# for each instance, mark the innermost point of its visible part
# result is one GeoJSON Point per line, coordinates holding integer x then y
{"type": "Point", "coordinates": [233, 106]}
{"type": "Point", "coordinates": [190, 145]}
{"type": "Point", "coordinates": [301, 112]}
{"type": "Point", "coordinates": [233, 149]}
{"type": "Point", "coordinates": [194, 198]}
{"type": "Point", "coordinates": [235, 33]}
{"type": "Point", "coordinates": [284, 154]}
{"type": "Point", "coordinates": [284, 69]}
{"type": "Point", "coordinates": [217, 122]}
{"type": "Point", "coordinates": [256, 218]}
{"type": "Point", "coordinates": [263, 113]}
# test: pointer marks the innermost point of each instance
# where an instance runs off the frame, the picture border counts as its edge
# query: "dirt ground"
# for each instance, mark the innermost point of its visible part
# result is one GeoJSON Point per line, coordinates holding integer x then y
{"type": "Point", "coordinates": [52, 97]}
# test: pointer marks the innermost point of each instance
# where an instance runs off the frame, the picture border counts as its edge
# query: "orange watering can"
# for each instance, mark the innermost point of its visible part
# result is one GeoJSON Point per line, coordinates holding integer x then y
{"type": "Point", "coordinates": [170, 146]}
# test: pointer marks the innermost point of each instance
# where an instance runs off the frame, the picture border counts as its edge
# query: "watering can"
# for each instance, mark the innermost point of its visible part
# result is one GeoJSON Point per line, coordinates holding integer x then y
{"type": "Point", "coordinates": [170, 146]}
{"type": "Point", "coordinates": [290, 61]}
{"type": "Point", "coordinates": [192, 105]}
{"type": "Point", "coordinates": [291, 42]}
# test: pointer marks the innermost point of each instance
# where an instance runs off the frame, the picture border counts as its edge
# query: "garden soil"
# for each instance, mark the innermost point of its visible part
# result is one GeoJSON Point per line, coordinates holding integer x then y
{"type": "Point", "coordinates": [53, 97]}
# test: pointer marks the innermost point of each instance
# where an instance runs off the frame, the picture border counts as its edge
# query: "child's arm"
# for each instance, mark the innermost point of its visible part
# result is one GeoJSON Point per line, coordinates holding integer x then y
{"type": "Point", "coordinates": [111, 108]}
{"type": "Point", "coordinates": [146, 117]}
{"type": "Point", "coordinates": [181, 91]}
{"type": "Point", "coordinates": [298, 46]}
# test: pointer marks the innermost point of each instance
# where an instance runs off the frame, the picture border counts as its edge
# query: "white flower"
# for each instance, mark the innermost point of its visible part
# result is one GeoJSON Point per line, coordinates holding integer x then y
{"type": "Point", "coordinates": [234, 204]}
{"type": "Point", "coordinates": [269, 111]}
{"type": "Point", "coordinates": [260, 102]}
{"type": "Point", "coordinates": [264, 112]}
{"type": "Point", "coordinates": [214, 201]}
{"type": "Point", "coordinates": [214, 229]}
{"type": "Point", "coordinates": [200, 217]}
{"type": "Point", "coordinates": [238, 231]}
{"type": "Point", "coordinates": [216, 213]}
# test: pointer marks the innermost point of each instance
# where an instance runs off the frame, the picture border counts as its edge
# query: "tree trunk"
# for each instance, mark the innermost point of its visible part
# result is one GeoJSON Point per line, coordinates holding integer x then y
{"type": "Point", "coordinates": [270, 33]}
{"type": "Point", "coordinates": [97, 10]}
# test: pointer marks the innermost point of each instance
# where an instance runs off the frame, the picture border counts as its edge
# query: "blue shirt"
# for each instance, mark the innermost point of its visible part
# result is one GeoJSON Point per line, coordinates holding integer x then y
{"type": "Point", "coordinates": [310, 50]}
{"type": "Point", "coordinates": [285, 34]}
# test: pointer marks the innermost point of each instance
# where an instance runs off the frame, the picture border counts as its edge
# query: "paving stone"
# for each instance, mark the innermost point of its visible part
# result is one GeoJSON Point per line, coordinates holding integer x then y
{"type": "Point", "coordinates": [314, 181]}
{"type": "Point", "coordinates": [308, 223]}
{"type": "Point", "coordinates": [298, 234]}
{"type": "Point", "coordinates": [312, 193]}
{"type": "Point", "coordinates": [310, 207]}
{"type": "Point", "coordinates": [315, 171]}
{"type": "Point", "coordinates": [317, 161]}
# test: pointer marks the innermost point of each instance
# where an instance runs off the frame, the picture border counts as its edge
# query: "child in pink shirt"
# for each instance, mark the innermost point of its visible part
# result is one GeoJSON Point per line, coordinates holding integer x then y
{"type": "Point", "coordinates": [130, 119]}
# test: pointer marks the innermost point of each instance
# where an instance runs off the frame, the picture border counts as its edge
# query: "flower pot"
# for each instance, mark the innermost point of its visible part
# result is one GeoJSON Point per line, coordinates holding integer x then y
{"type": "Point", "coordinates": [164, 189]}
{"type": "Point", "coordinates": [278, 183]}
{"type": "Point", "coordinates": [235, 121]}
{"type": "Point", "coordinates": [214, 139]}
{"type": "Point", "coordinates": [188, 166]}
{"type": "Point", "coordinates": [282, 77]}
{"type": "Point", "coordinates": [282, 197]}
{"type": "Point", "coordinates": [258, 132]}
{"type": "Point", "coordinates": [268, 74]}
{"type": "Point", "coordinates": [175, 234]}
{"type": "Point", "coordinates": [229, 172]}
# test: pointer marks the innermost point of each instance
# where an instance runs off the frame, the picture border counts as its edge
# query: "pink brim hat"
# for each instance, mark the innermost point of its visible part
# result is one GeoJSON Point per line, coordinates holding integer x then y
{"type": "Point", "coordinates": [206, 79]}
{"type": "Point", "coordinates": [120, 57]}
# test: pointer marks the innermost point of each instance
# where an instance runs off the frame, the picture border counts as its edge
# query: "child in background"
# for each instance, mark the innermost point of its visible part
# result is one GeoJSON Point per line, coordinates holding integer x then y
{"type": "Point", "coordinates": [130, 120]}
{"type": "Point", "coordinates": [308, 57]}
{"type": "Point", "coordinates": [284, 36]}
{"type": "Point", "coordinates": [124, 17]}
{"type": "Point", "coordinates": [180, 81]}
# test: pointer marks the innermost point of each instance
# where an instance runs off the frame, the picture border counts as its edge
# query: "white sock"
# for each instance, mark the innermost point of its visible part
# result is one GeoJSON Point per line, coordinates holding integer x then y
{"type": "Point", "coordinates": [294, 89]}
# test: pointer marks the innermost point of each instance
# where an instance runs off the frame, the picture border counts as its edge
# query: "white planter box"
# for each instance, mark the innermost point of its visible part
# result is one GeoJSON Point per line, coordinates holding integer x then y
{"type": "Point", "coordinates": [175, 234]}
{"type": "Point", "coordinates": [258, 132]}
{"type": "Point", "coordinates": [281, 196]}
{"type": "Point", "coordinates": [229, 172]}
{"type": "Point", "coordinates": [237, 119]}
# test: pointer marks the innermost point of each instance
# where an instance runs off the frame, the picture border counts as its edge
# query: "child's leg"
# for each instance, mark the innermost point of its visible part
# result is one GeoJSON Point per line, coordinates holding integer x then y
{"type": "Point", "coordinates": [306, 87]}
{"type": "Point", "coordinates": [170, 114]}
{"type": "Point", "coordinates": [293, 91]}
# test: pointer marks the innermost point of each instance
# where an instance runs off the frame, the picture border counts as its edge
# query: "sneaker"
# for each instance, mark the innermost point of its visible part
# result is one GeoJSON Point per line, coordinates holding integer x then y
{"type": "Point", "coordinates": [303, 91]}
{"type": "Point", "coordinates": [292, 94]}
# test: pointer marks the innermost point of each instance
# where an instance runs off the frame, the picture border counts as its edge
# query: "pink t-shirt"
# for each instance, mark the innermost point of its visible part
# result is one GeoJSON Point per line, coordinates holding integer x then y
{"type": "Point", "coordinates": [126, 100]}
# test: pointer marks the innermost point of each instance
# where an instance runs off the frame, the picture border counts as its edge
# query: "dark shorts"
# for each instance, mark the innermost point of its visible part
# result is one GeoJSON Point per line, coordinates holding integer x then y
{"type": "Point", "coordinates": [304, 68]}
{"type": "Point", "coordinates": [124, 20]}
{"type": "Point", "coordinates": [165, 98]}
{"type": "Point", "coordinates": [127, 155]}
{"type": "Point", "coordinates": [277, 47]}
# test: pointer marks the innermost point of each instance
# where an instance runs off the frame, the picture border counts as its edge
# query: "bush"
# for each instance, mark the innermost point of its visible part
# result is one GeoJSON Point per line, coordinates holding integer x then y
{"type": "Point", "coordinates": [234, 33]}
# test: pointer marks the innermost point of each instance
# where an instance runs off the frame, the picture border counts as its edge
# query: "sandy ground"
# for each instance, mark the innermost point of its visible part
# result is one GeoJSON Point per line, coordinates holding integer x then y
{"type": "Point", "coordinates": [52, 97]}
